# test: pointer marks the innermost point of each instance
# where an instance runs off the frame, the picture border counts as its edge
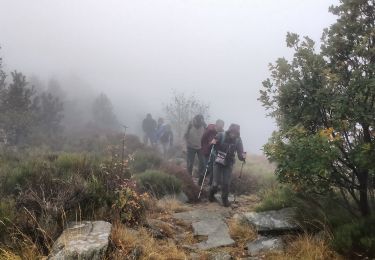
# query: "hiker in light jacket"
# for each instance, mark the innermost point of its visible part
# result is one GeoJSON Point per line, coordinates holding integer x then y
{"type": "Point", "coordinates": [193, 137]}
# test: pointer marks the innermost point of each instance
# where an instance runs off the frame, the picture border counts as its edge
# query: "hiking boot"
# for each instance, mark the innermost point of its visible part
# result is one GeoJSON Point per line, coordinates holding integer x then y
{"type": "Point", "coordinates": [211, 196]}
{"type": "Point", "coordinates": [226, 203]}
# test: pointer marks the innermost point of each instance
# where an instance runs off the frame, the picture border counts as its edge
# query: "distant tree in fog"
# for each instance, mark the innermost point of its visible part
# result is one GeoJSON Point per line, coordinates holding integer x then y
{"type": "Point", "coordinates": [27, 117]}
{"type": "Point", "coordinates": [102, 113]}
{"type": "Point", "coordinates": [181, 109]}
{"type": "Point", "coordinates": [54, 88]}
{"type": "Point", "coordinates": [49, 115]}
{"type": "Point", "coordinates": [17, 108]}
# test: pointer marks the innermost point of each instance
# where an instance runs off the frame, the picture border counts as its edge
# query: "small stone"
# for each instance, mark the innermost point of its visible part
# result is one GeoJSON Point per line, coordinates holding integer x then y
{"type": "Point", "coordinates": [221, 256]}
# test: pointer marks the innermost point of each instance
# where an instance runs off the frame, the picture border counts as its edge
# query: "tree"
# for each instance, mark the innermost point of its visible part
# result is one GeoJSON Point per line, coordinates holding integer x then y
{"type": "Point", "coordinates": [323, 103]}
{"type": "Point", "coordinates": [18, 109]}
{"type": "Point", "coordinates": [102, 112]}
{"type": "Point", "coordinates": [182, 109]}
{"type": "Point", "coordinates": [48, 115]}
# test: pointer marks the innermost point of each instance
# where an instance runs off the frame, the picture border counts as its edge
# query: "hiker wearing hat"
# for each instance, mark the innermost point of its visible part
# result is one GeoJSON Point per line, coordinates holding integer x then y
{"type": "Point", "coordinates": [226, 145]}
{"type": "Point", "coordinates": [149, 128]}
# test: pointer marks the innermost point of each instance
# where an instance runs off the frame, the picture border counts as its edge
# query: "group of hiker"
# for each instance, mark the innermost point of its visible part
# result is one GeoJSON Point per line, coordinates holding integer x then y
{"type": "Point", "coordinates": [214, 148]}
{"type": "Point", "coordinates": [157, 133]}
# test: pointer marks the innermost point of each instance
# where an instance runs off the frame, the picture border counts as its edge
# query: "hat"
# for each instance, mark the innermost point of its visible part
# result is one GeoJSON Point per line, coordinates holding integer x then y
{"type": "Point", "coordinates": [234, 128]}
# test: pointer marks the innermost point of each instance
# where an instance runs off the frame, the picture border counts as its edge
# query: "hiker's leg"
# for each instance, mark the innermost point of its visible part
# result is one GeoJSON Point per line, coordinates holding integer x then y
{"type": "Point", "coordinates": [190, 154]}
{"type": "Point", "coordinates": [145, 139]}
{"type": "Point", "coordinates": [164, 149]}
{"type": "Point", "coordinates": [215, 183]}
{"type": "Point", "coordinates": [227, 173]}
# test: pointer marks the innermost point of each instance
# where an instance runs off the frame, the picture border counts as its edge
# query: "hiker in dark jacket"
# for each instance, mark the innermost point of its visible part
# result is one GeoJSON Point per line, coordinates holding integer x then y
{"type": "Point", "coordinates": [149, 128]}
{"type": "Point", "coordinates": [226, 145]}
{"type": "Point", "coordinates": [193, 137]}
{"type": "Point", "coordinates": [209, 134]}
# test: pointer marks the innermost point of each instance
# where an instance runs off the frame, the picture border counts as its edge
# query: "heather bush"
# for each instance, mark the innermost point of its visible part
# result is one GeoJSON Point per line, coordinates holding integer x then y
{"type": "Point", "coordinates": [158, 183]}
{"type": "Point", "coordinates": [187, 184]}
{"type": "Point", "coordinates": [145, 159]}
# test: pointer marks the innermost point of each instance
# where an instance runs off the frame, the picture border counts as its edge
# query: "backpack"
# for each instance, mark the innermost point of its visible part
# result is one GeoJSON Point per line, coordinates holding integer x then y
{"type": "Point", "coordinates": [221, 156]}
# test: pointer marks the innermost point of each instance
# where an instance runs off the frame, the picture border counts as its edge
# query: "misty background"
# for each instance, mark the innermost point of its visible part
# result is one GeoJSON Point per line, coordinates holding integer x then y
{"type": "Point", "coordinates": [138, 52]}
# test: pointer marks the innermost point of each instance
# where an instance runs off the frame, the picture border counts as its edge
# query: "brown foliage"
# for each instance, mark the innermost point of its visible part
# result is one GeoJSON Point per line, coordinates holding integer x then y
{"type": "Point", "coordinates": [188, 186]}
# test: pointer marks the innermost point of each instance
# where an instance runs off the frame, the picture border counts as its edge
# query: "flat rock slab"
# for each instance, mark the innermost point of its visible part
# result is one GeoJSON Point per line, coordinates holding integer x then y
{"type": "Point", "coordinates": [198, 215]}
{"type": "Point", "coordinates": [264, 244]}
{"type": "Point", "coordinates": [221, 256]}
{"type": "Point", "coordinates": [274, 220]}
{"type": "Point", "coordinates": [82, 240]}
{"type": "Point", "coordinates": [210, 224]}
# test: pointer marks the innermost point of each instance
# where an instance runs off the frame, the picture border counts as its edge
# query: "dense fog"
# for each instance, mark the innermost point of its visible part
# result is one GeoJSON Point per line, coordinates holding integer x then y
{"type": "Point", "coordinates": [138, 52]}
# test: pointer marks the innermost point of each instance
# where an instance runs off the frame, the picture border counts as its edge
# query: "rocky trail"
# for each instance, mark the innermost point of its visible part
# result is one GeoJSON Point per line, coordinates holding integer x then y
{"type": "Point", "coordinates": [205, 230]}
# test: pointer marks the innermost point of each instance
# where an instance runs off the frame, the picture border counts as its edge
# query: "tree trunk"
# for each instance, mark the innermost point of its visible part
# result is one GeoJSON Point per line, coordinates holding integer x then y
{"type": "Point", "coordinates": [363, 178]}
{"type": "Point", "coordinates": [363, 193]}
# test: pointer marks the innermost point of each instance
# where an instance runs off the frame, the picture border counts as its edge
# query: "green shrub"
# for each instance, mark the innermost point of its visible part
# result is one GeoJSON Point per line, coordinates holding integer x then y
{"type": "Point", "coordinates": [71, 162]}
{"type": "Point", "coordinates": [158, 183]}
{"type": "Point", "coordinates": [356, 238]}
{"type": "Point", "coordinates": [144, 160]}
{"type": "Point", "coordinates": [275, 198]}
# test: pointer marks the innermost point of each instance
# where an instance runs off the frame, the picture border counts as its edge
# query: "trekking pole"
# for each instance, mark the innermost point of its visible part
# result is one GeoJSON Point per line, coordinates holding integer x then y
{"type": "Point", "coordinates": [205, 172]}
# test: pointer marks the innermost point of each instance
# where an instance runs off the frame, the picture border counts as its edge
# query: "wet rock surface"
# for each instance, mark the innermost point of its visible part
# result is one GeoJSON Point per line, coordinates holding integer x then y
{"type": "Point", "coordinates": [264, 244]}
{"type": "Point", "coordinates": [273, 220]}
{"type": "Point", "coordinates": [210, 224]}
{"type": "Point", "coordinates": [82, 240]}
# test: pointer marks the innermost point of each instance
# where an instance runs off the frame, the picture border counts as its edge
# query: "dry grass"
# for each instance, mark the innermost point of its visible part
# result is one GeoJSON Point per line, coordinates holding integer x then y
{"type": "Point", "coordinates": [8, 255]}
{"type": "Point", "coordinates": [130, 243]}
{"type": "Point", "coordinates": [241, 232]}
{"type": "Point", "coordinates": [170, 205]}
{"type": "Point", "coordinates": [306, 247]}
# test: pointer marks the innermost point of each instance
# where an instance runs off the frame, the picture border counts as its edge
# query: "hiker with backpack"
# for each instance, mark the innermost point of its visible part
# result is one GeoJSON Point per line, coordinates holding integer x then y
{"type": "Point", "coordinates": [209, 134]}
{"type": "Point", "coordinates": [166, 139]}
{"type": "Point", "coordinates": [149, 129]}
{"type": "Point", "coordinates": [226, 145]}
{"type": "Point", "coordinates": [193, 137]}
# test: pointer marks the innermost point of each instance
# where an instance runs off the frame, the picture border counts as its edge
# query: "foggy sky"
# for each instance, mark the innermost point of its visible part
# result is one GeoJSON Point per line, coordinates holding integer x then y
{"type": "Point", "coordinates": [138, 51]}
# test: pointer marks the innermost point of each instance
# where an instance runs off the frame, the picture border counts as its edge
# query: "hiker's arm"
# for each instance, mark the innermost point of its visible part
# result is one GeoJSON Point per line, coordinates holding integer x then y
{"type": "Point", "coordinates": [187, 130]}
{"type": "Point", "coordinates": [240, 153]}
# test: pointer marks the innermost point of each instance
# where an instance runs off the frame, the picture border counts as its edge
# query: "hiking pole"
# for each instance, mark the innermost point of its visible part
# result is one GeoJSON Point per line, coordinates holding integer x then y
{"type": "Point", "coordinates": [205, 172]}
{"type": "Point", "coordinates": [123, 149]}
{"type": "Point", "coordinates": [239, 178]}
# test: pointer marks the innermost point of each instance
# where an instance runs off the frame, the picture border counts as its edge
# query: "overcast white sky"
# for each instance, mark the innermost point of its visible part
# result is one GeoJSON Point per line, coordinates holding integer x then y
{"type": "Point", "coordinates": [138, 51]}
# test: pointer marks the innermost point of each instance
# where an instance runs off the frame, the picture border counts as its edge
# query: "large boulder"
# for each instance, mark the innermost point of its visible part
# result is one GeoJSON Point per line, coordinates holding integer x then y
{"type": "Point", "coordinates": [82, 240]}
{"type": "Point", "coordinates": [274, 220]}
